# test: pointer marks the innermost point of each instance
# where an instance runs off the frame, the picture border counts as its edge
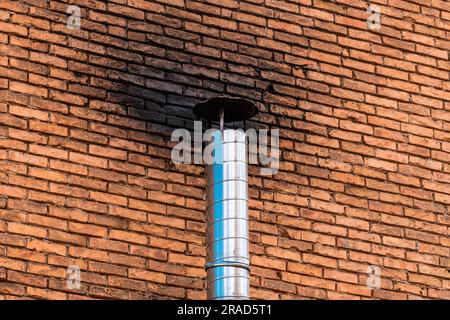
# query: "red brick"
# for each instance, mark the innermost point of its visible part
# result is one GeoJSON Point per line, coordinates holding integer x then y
{"type": "Point", "coordinates": [19, 277]}
{"type": "Point", "coordinates": [65, 237]}
{"type": "Point", "coordinates": [47, 247]}
{"type": "Point", "coordinates": [107, 152]}
{"type": "Point", "coordinates": [27, 230]}
{"type": "Point", "coordinates": [30, 255]}
{"type": "Point", "coordinates": [86, 229]}
{"type": "Point", "coordinates": [11, 191]}
{"type": "Point", "coordinates": [50, 128]}
{"type": "Point", "coordinates": [88, 160]}
{"type": "Point", "coordinates": [12, 288]}
{"type": "Point", "coordinates": [85, 166]}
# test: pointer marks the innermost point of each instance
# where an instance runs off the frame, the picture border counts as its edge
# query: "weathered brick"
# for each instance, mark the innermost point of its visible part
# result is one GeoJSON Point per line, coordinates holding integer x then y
{"type": "Point", "coordinates": [27, 229]}
{"type": "Point", "coordinates": [85, 164]}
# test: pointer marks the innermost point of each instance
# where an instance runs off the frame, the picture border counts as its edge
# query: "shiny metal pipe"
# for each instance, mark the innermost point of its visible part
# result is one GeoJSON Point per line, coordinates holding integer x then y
{"type": "Point", "coordinates": [227, 254]}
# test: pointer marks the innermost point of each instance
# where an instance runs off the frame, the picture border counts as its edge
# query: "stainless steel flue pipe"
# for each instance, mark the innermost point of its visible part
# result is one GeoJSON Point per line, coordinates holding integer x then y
{"type": "Point", "coordinates": [227, 218]}
{"type": "Point", "coordinates": [227, 232]}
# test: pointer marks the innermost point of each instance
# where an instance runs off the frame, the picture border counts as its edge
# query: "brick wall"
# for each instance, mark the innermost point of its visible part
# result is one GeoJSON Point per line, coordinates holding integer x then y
{"type": "Point", "coordinates": [86, 116]}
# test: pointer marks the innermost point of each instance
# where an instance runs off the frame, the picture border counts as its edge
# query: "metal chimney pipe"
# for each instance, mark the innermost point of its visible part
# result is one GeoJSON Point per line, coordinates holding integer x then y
{"type": "Point", "coordinates": [227, 241]}
{"type": "Point", "coordinates": [227, 234]}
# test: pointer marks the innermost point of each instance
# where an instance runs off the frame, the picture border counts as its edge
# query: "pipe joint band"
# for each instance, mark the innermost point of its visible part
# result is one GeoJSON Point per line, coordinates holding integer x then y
{"type": "Point", "coordinates": [234, 264]}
